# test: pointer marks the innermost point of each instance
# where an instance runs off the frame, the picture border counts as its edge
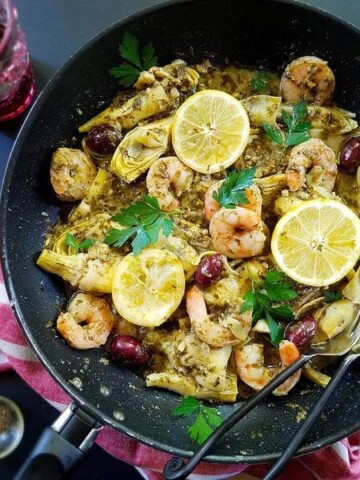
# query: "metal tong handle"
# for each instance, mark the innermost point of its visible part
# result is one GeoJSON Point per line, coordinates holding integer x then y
{"type": "Point", "coordinates": [310, 419]}
{"type": "Point", "coordinates": [177, 469]}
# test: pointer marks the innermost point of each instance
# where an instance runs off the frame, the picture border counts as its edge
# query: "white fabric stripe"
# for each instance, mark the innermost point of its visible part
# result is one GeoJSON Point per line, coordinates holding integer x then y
{"type": "Point", "coordinates": [310, 470]}
{"type": "Point", "coordinates": [142, 473]}
{"type": "Point", "coordinates": [342, 451]}
{"type": "Point", "coordinates": [3, 359]}
{"type": "Point", "coordinates": [355, 449]}
{"type": "Point", "coordinates": [3, 294]}
{"type": "Point", "coordinates": [59, 406]}
{"type": "Point", "coordinates": [19, 352]}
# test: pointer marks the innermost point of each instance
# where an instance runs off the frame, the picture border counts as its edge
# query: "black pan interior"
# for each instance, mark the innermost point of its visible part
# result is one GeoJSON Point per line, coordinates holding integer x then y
{"type": "Point", "coordinates": [250, 32]}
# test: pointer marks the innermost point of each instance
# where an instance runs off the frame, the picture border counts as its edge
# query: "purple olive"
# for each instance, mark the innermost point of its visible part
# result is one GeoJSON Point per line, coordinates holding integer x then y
{"type": "Point", "coordinates": [301, 331]}
{"type": "Point", "coordinates": [208, 270]}
{"type": "Point", "coordinates": [350, 155]}
{"type": "Point", "coordinates": [103, 140]}
{"type": "Point", "coordinates": [129, 350]}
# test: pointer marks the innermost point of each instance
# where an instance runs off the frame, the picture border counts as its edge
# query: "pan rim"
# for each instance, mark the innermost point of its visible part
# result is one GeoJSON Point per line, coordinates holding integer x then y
{"type": "Point", "coordinates": [11, 291]}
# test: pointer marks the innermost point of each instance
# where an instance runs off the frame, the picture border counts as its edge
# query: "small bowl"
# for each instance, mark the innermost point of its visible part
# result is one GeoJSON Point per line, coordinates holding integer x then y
{"type": "Point", "coordinates": [10, 438]}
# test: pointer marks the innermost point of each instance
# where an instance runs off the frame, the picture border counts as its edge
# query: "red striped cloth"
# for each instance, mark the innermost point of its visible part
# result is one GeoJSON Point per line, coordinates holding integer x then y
{"type": "Point", "coordinates": [338, 462]}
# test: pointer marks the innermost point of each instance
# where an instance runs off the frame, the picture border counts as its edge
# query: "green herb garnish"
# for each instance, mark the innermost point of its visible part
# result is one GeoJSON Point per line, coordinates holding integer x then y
{"type": "Point", "coordinates": [297, 128]}
{"type": "Point", "coordinates": [207, 418]}
{"type": "Point", "coordinates": [331, 296]}
{"type": "Point", "coordinates": [71, 241]}
{"type": "Point", "coordinates": [260, 82]}
{"type": "Point", "coordinates": [232, 191]}
{"type": "Point", "coordinates": [274, 289]}
{"type": "Point", "coordinates": [129, 71]}
{"type": "Point", "coordinates": [144, 221]}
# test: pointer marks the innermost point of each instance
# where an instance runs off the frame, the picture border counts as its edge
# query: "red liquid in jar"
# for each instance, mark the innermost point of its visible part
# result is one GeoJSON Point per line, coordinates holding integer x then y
{"type": "Point", "coordinates": [17, 82]}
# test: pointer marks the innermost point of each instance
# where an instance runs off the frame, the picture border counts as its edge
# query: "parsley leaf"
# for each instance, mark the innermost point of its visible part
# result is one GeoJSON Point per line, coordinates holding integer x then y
{"type": "Point", "coordinates": [145, 220]}
{"type": "Point", "coordinates": [148, 56]}
{"type": "Point", "coordinates": [274, 133]}
{"type": "Point", "coordinates": [207, 418]}
{"type": "Point", "coordinates": [127, 74]}
{"type": "Point", "coordinates": [297, 128]}
{"type": "Point", "coordinates": [260, 82]}
{"type": "Point", "coordinates": [188, 406]}
{"type": "Point", "coordinates": [273, 289]}
{"type": "Point", "coordinates": [86, 244]}
{"type": "Point", "coordinates": [232, 191]}
{"type": "Point", "coordinates": [332, 296]}
{"type": "Point", "coordinates": [276, 331]}
{"type": "Point", "coordinates": [277, 288]}
{"type": "Point", "coordinates": [71, 241]}
{"type": "Point", "coordinates": [117, 238]}
{"type": "Point", "coordinates": [129, 49]}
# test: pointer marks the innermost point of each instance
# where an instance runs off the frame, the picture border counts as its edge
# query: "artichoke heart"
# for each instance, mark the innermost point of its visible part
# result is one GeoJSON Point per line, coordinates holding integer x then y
{"type": "Point", "coordinates": [327, 121]}
{"type": "Point", "coordinates": [140, 148]}
{"type": "Point", "coordinates": [262, 109]}
{"type": "Point", "coordinates": [352, 289]}
{"type": "Point", "coordinates": [337, 317]}
{"type": "Point", "coordinates": [192, 367]}
{"type": "Point", "coordinates": [187, 255]}
{"type": "Point", "coordinates": [91, 272]}
{"type": "Point", "coordinates": [145, 104]}
{"type": "Point", "coordinates": [93, 228]}
{"type": "Point", "coordinates": [174, 75]}
{"type": "Point", "coordinates": [100, 187]}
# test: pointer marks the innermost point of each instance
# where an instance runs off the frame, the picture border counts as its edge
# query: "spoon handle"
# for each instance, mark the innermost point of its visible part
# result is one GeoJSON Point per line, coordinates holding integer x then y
{"type": "Point", "coordinates": [177, 469]}
{"type": "Point", "coordinates": [310, 419]}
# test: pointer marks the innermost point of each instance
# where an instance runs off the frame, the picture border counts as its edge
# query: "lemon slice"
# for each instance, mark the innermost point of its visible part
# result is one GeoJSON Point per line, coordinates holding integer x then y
{"type": "Point", "coordinates": [317, 243]}
{"type": "Point", "coordinates": [210, 131]}
{"type": "Point", "coordinates": [149, 287]}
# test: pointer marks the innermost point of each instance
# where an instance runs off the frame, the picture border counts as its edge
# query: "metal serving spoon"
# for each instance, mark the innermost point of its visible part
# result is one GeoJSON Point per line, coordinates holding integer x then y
{"type": "Point", "coordinates": [178, 469]}
{"type": "Point", "coordinates": [313, 414]}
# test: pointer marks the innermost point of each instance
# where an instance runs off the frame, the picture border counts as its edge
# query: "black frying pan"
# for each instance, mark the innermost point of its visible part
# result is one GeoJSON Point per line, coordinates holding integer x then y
{"type": "Point", "coordinates": [251, 32]}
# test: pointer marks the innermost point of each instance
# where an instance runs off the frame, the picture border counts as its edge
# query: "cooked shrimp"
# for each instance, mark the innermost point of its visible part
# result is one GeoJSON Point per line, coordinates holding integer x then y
{"type": "Point", "coordinates": [167, 179]}
{"type": "Point", "coordinates": [249, 361]}
{"type": "Point", "coordinates": [308, 78]}
{"type": "Point", "coordinates": [214, 334]}
{"type": "Point", "coordinates": [237, 233]}
{"type": "Point", "coordinates": [253, 195]}
{"type": "Point", "coordinates": [317, 157]}
{"type": "Point", "coordinates": [92, 311]}
{"type": "Point", "coordinates": [71, 174]}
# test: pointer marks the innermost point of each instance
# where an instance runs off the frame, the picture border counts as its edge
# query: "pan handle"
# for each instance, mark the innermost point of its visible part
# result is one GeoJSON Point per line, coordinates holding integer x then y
{"type": "Point", "coordinates": [61, 446]}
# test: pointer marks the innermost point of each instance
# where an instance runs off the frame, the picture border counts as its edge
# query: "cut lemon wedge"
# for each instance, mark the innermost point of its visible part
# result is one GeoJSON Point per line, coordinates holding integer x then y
{"type": "Point", "coordinates": [317, 243]}
{"type": "Point", "coordinates": [149, 287]}
{"type": "Point", "coordinates": [210, 131]}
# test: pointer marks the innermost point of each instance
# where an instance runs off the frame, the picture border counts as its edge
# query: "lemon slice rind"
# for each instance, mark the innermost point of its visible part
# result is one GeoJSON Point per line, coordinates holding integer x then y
{"type": "Point", "coordinates": [149, 287]}
{"type": "Point", "coordinates": [210, 131]}
{"type": "Point", "coordinates": [317, 243]}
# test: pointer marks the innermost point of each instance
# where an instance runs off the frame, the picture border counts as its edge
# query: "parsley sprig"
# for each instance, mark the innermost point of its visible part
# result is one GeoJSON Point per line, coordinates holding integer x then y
{"type": "Point", "coordinates": [144, 221]}
{"type": "Point", "coordinates": [232, 191]}
{"type": "Point", "coordinates": [260, 82]}
{"type": "Point", "coordinates": [331, 296]}
{"type": "Point", "coordinates": [297, 128]}
{"type": "Point", "coordinates": [206, 420]}
{"type": "Point", "coordinates": [273, 290]}
{"type": "Point", "coordinates": [71, 241]}
{"type": "Point", "coordinates": [129, 49]}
